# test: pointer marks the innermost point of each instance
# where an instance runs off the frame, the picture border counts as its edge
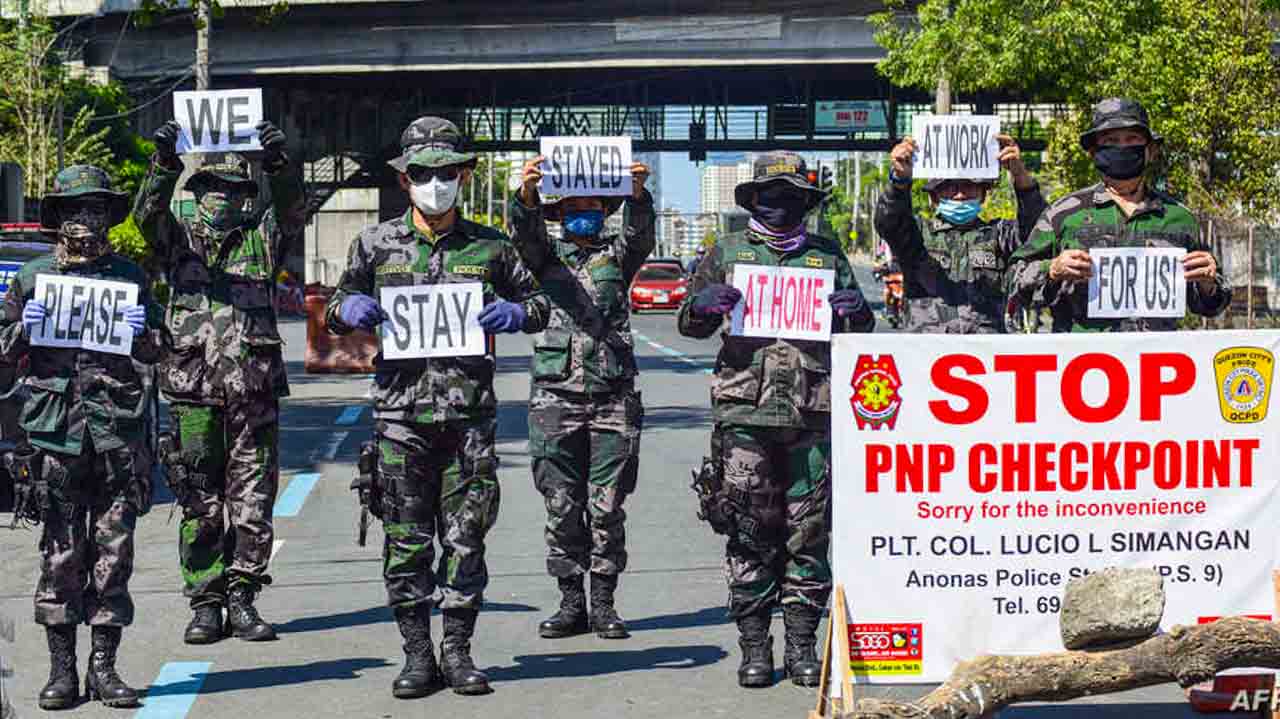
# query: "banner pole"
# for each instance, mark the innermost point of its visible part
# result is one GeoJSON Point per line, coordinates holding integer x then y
{"type": "Point", "coordinates": [840, 617]}
{"type": "Point", "coordinates": [824, 680]}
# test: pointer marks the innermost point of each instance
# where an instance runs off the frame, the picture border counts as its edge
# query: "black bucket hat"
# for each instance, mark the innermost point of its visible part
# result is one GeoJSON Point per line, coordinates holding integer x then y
{"type": "Point", "coordinates": [230, 167]}
{"type": "Point", "coordinates": [937, 182]}
{"type": "Point", "coordinates": [779, 166]}
{"type": "Point", "coordinates": [80, 181]}
{"type": "Point", "coordinates": [1115, 113]}
{"type": "Point", "coordinates": [431, 142]}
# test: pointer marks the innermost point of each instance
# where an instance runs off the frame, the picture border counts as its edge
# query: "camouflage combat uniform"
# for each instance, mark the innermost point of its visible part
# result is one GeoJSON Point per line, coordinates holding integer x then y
{"type": "Point", "coordinates": [585, 415]}
{"type": "Point", "coordinates": [1090, 218]}
{"type": "Point", "coordinates": [86, 415]}
{"type": "Point", "coordinates": [435, 419]}
{"type": "Point", "coordinates": [771, 403]}
{"type": "Point", "coordinates": [953, 277]}
{"type": "Point", "coordinates": [225, 375]}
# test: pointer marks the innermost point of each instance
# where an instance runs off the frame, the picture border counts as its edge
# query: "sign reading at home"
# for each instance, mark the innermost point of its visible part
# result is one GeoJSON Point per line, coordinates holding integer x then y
{"type": "Point", "coordinates": [783, 302]}
{"type": "Point", "coordinates": [84, 313]}
{"type": "Point", "coordinates": [218, 120]}
{"type": "Point", "coordinates": [956, 147]}
{"type": "Point", "coordinates": [433, 321]}
{"type": "Point", "coordinates": [586, 166]}
{"type": "Point", "coordinates": [1137, 282]}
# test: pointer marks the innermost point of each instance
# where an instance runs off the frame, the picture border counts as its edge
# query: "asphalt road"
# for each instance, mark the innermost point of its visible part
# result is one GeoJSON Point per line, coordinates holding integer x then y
{"type": "Point", "coordinates": [339, 649]}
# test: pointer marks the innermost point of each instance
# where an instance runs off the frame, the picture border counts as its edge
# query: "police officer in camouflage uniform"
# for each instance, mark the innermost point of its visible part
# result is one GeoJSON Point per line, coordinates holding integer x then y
{"type": "Point", "coordinates": [585, 414]}
{"type": "Point", "coordinates": [1123, 210]}
{"type": "Point", "coordinates": [771, 402]}
{"type": "Point", "coordinates": [953, 266]}
{"type": "Point", "coordinates": [436, 418]}
{"type": "Point", "coordinates": [226, 374]}
{"type": "Point", "coordinates": [85, 469]}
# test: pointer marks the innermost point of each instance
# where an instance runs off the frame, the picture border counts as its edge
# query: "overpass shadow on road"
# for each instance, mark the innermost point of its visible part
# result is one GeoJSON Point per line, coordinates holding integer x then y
{"type": "Point", "coordinates": [590, 664]}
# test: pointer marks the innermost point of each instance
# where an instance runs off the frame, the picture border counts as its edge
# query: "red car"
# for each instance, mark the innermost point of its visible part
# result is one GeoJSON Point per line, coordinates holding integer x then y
{"type": "Point", "coordinates": [658, 286]}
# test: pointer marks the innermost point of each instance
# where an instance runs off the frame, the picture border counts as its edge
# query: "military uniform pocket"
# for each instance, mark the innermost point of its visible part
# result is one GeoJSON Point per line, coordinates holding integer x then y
{"type": "Point", "coordinates": [46, 409]}
{"type": "Point", "coordinates": [186, 314]}
{"type": "Point", "coordinates": [814, 387]}
{"type": "Point", "coordinates": [551, 356]}
{"type": "Point", "coordinates": [255, 314]}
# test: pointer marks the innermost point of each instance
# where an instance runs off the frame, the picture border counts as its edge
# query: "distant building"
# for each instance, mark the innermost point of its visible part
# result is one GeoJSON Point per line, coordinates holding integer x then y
{"type": "Point", "coordinates": [718, 183]}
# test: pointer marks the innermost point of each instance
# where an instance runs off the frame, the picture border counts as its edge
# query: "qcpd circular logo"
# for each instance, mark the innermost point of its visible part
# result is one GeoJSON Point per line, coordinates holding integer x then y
{"type": "Point", "coordinates": [1244, 389]}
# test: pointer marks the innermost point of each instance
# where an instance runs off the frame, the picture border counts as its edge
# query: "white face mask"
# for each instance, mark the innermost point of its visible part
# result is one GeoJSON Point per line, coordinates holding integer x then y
{"type": "Point", "coordinates": [434, 197]}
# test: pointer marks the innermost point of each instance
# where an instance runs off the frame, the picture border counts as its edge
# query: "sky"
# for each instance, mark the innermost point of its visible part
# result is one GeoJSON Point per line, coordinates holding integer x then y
{"type": "Point", "coordinates": [680, 179]}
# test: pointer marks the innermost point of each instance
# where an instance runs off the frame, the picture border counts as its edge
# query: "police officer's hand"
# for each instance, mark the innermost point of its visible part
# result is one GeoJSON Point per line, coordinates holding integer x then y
{"type": "Point", "coordinates": [33, 313]}
{"type": "Point", "coordinates": [639, 175]}
{"type": "Point", "coordinates": [1200, 267]}
{"type": "Point", "coordinates": [273, 142]}
{"type": "Point", "coordinates": [718, 299]}
{"type": "Point", "coordinates": [847, 302]}
{"type": "Point", "coordinates": [166, 139]}
{"type": "Point", "coordinates": [362, 312]}
{"type": "Point", "coordinates": [136, 318]}
{"type": "Point", "coordinates": [902, 156]}
{"type": "Point", "coordinates": [530, 178]}
{"type": "Point", "coordinates": [1070, 266]}
{"type": "Point", "coordinates": [502, 316]}
{"type": "Point", "coordinates": [1010, 158]}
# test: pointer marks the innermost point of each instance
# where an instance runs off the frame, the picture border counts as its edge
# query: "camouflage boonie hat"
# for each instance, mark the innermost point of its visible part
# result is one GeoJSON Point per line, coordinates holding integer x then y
{"type": "Point", "coordinates": [79, 181]}
{"type": "Point", "coordinates": [1115, 113]}
{"type": "Point", "coordinates": [229, 167]}
{"type": "Point", "coordinates": [431, 142]}
{"type": "Point", "coordinates": [777, 166]}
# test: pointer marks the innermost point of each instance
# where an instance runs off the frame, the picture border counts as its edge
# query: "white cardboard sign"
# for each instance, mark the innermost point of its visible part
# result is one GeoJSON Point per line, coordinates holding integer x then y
{"type": "Point", "coordinates": [956, 146]}
{"type": "Point", "coordinates": [84, 313]}
{"type": "Point", "coordinates": [586, 166]}
{"type": "Point", "coordinates": [783, 302]}
{"type": "Point", "coordinates": [218, 120]}
{"type": "Point", "coordinates": [433, 321]}
{"type": "Point", "coordinates": [1137, 282]}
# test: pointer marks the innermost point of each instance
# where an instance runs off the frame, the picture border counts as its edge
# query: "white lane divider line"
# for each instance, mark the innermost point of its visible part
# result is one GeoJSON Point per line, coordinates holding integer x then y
{"type": "Point", "coordinates": [670, 352]}
{"type": "Point", "coordinates": [275, 547]}
{"type": "Point", "coordinates": [329, 450]}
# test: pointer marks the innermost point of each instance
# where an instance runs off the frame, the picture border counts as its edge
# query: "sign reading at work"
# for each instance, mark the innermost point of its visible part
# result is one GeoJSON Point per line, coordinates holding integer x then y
{"type": "Point", "coordinates": [956, 147]}
{"type": "Point", "coordinates": [433, 321]}
{"type": "Point", "coordinates": [218, 120]}
{"type": "Point", "coordinates": [783, 302]}
{"type": "Point", "coordinates": [84, 313]}
{"type": "Point", "coordinates": [1137, 282]}
{"type": "Point", "coordinates": [586, 166]}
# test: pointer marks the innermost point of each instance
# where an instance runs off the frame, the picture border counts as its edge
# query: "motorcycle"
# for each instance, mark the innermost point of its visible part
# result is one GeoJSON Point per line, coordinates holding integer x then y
{"type": "Point", "coordinates": [891, 276]}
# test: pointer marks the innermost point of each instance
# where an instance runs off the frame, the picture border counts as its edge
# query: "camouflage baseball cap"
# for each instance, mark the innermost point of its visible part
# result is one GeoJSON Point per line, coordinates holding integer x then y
{"type": "Point", "coordinates": [777, 166]}
{"type": "Point", "coordinates": [431, 142]}
{"type": "Point", "coordinates": [79, 181]}
{"type": "Point", "coordinates": [229, 167]}
{"type": "Point", "coordinates": [1115, 113]}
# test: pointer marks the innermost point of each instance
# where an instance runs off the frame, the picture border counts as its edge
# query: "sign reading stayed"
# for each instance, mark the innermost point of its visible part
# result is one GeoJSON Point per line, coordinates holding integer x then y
{"type": "Point", "coordinates": [84, 313]}
{"type": "Point", "coordinates": [1137, 282]}
{"type": "Point", "coordinates": [218, 120]}
{"type": "Point", "coordinates": [586, 166]}
{"type": "Point", "coordinates": [783, 302]}
{"type": "Point", "coordinates": [433, 321]}
{"type": "Point", "coordinates": [956, 146]}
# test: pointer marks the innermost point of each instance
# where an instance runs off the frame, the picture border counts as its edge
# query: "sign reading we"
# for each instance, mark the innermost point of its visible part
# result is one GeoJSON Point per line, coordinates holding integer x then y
{"type": "Point", "coordinates": [218, 120]}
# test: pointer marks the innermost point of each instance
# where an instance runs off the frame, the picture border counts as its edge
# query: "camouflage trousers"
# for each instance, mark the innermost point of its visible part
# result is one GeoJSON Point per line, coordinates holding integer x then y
{"type": "Point", "coordinates": [781, 480]}
{"type": "Point", "coordinates": [440, 482]}
{"type": "Point", "coordinates": [226, 533]}
{"type": "Point", "coordinates": [86, 543]}
{"type": "Point", "coordinates": [585, 452]}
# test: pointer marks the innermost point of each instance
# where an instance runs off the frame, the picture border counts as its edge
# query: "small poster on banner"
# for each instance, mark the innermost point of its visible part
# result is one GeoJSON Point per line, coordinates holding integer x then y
{"type": "Point", "coordinates": [218, 120]}
{"type": "Point", "coordinates": [783, 302]}
{"type": "Point", "coordinates": [586, 166]}
{"type": "Point", "coordinates": [84, 313]}
{"type": "Point", "coordinates": [433, 321]}
{"type": "Point", "coordinates": [1137, 282]}
{"type": "Point", "coordinates": [956, 146]}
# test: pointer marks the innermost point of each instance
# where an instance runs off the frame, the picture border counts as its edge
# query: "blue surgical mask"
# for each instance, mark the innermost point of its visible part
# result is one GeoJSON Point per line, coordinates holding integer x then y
{"type": "Point", "coordinates": [584, 223]}
{"type": "Point", "coordinates": [959, 212]}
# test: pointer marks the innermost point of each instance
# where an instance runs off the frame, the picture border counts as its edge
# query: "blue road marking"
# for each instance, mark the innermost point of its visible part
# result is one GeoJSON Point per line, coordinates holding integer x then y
{"type": "Point", "coordinates": [291, 501]}
{"type": "Point", "coordinates": [350, 415]}
{"type": "Point", "coordinates": [174, 690]}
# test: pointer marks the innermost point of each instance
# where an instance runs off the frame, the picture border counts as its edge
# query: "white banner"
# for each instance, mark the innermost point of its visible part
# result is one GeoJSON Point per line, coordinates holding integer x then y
{"type": "Point", "coordinates": [433, 321]}
{"type": "Point", "coordinates": [84, 313]}
{"type": "Point", "coordinates": [783, 302]}
{"type": "Point", "coordinates": [956, 146]}
{"type": "Point", "coordinates": [218, 120]}
{"type": "Point", "coordinates": [975, 475]}
{"type": "Point", "coordinates": [1137, 282]}
{"type": "Point", "coordinates": [585, 166]}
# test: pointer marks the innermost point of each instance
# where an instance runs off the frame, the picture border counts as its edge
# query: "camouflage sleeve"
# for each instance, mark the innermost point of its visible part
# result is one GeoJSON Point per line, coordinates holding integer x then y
{"type": "Point", "coordinates": [151, 210]}
{"type": "Point", "coordinates": [1028, 283]}
{"type": "Point", "coordinates": [864, 321]}
{"type": "Point", "coordinates": [529, 235]}
{"type": "Point", "coordinates": [519, 285]}
{"type": "Point", "coordinates": [284, 223]}
{"type": "Point", "coordinates": [151, 345]}
{"type": "Point", "coordinates": [638, 234]}
{"type": "Point", "coordinates": [710, 272]}
{"type": "Point", "coordinates": [357, 279]}
{"type": "Point", "coordinates": [13, 338]}
{"type": "Point", "coordinates": [896, 223]}
{"type": "Point", "coordinates": [1207, 304]}
{"type": "Point", "coordinates": [1031, 206]}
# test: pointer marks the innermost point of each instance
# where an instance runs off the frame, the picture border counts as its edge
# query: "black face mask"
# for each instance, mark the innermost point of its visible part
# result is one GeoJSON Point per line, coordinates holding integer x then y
{"type": "Point", "coordinates": [780, 207]}
{"type": "Point", "coordinates": [1120, 162]}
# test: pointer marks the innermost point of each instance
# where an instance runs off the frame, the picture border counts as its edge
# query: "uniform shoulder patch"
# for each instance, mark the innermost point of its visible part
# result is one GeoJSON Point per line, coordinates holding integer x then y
{"type": "Point", "coordinates": [473, 270]}
{"type": "Point", "coordinates": [814, 262]}
{"type": "Point", "coordinates": [746, 255]}
{"type": "Point", "coordinates": [390, 269]}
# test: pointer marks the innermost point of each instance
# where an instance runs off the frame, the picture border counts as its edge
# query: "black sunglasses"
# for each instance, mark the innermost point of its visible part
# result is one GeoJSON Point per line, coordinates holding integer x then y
{"type": "Point", "coordinates": [420, 175]}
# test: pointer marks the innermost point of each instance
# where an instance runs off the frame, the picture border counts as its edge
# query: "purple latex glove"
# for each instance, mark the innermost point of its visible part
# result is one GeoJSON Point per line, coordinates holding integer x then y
{"type": "Point", "coordinates": [136, 318]}
{"type": "Point", "coordinates": [716, 300]}
{"type": "Point", "coordinates": [847, 302]}
{"type": "Point", "coordinates": [33, 313]}
{"type": "Point", "coordinates": [502, 316]}
{"type": "Point", "coordinates": [361, 311]}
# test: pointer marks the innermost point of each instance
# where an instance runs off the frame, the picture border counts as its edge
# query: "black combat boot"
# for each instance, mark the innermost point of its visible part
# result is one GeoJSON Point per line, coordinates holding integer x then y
{"type": "Point", "coordinates": [571, 619]}
{"type": "Point", "coordinates": [455, 653]}
{"type": "Point", "coordinates": [101, 682]}
{"type": "Point", "coordinates": [63, 689]}
{"type": "Point", "coordinates": [800, 658]}
{"type": "Point", "coordinates": [420, 675]}
{"type": "Point", "coordinates": [205, 626]}
{"type": "Point", "coordinates": [756, 669]}
{"type": "Point", "coordinates": [604, 618]}
{"type": "Point", "coordinates": [243, 618]}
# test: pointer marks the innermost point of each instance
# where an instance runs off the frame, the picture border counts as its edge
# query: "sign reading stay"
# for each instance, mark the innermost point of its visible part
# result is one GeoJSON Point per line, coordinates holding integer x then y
{"type": "Point", "coordinates": [433, 321]}
{"type": "Point", "coordinates": [1137, 282]}
{"type": "Point", "coordinates": [783, 302]}
{"type": "Point", "coordinates": [956, 146]}
{"type": "Point", "coordinates": [218, 120]}
{"type": "Point", "coordinates": [586, 166]}
{"type": "Point", "coordinates": [84, 313]}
